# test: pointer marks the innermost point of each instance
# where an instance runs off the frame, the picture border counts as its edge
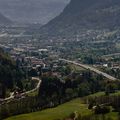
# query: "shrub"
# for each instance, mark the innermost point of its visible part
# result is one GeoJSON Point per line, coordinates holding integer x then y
{"type": "Point", "coordinates": [102, 109]}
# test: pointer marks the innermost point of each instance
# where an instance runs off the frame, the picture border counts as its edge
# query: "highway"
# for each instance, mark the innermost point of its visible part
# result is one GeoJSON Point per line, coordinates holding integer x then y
{"type": "Point", "coordinates": [110, 55]}
{"type": "Point", "coordinates": [91, 68]}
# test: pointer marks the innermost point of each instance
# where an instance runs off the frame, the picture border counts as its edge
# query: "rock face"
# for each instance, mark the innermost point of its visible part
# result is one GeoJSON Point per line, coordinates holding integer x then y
{"type": "Point", "coordinates": [4, 20]}
{"type": "Point", "coordinates": [85, 14]}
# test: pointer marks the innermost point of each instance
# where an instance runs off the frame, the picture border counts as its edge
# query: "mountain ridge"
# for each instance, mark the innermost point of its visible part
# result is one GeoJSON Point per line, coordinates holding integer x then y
{"type": "Point", "coordinates": [85, 14]}
{"type": "Point", "coordinates": [4, 20]}
{"type": "Point", "coordinates": [32, 11]}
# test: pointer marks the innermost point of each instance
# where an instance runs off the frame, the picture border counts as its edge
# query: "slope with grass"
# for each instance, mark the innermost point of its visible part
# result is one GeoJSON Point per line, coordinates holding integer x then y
{"type": "Point", "coordinates": [63, 111]}
{"type": "Point", "coordinates": [55, 113]}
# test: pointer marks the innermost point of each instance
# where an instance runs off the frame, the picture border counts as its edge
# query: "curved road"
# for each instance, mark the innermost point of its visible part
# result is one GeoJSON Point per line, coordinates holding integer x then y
{"type": "Point", "coordinates": [91, 68]}
{"type": "Point", "coordinates": [33, 90]}
{"type": "Point", "coordinates": [36, 88]}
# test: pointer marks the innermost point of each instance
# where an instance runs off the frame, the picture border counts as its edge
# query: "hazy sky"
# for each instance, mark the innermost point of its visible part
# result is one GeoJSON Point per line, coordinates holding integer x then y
{"type": "Point", "coordinates": [32, 10]}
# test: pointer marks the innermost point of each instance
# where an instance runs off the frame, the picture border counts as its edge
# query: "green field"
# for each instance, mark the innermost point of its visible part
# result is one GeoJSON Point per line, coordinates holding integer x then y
{"type": "Point", "coordinates": [62, 111]}
{"type": "Point", "coordinates": [55, 113]}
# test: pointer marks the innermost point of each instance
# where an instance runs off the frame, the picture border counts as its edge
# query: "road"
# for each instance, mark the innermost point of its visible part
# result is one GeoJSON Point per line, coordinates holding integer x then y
{"type": "Point", "coordinates": [109, 55]}
{"type": "Point", "coordinates": [36, 88]}
{"type": "Point", "coordinates": [91, 68]}
{"type": "Point", "coordinates": [33, 90]}
{"type": "Point", "coordinates": [9, 98]}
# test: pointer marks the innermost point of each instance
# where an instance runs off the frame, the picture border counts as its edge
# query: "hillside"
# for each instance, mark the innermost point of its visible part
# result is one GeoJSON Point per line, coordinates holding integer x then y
{"type": "Point", "coordinates": [55, 113]}
{"type": "Point", "coordinates": [85, 14]}
{"type": "Point", "coordinates": [9, 74]}
{"type": "Point", "coordinates": [4, 20]}
{"type": "Point", "coordinates": [62, 111]}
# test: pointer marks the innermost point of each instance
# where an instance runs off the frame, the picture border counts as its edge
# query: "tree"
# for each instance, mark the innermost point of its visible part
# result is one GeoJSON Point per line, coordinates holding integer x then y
{"type": "Point", "coordinates": [84, 89]}
{"type": "Point", "coordinates": [69, 92]}
{"type": "Point", "coordinates": [32, 73]}
{"type": "Point", "coordinates": [102, 109]}
{"type": "Point", "coordinates": [110, 88]}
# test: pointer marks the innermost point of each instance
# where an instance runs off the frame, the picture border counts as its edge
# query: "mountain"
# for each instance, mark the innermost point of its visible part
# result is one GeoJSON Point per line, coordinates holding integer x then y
{"type": "Point", "coordinates": [85, 14]}
{"type": "Point", "coordinates": [4, 20]}
{"type": "Point", "coordinates": [32, 11]}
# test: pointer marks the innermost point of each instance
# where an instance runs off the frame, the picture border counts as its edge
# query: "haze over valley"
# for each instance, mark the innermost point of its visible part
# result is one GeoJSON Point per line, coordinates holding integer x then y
{"type": "Point", "coordinates": [32, 11]}
{"type": "Point", "coordinates": [59, 59]}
